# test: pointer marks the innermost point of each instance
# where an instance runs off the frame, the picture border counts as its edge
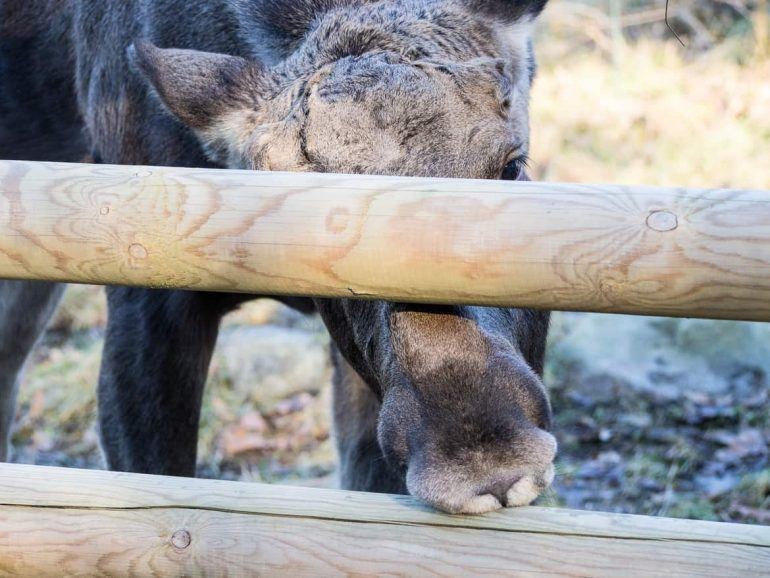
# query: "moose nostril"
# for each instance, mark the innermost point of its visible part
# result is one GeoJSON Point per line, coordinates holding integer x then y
{"type": "Point", "coordinates": [500, 488]}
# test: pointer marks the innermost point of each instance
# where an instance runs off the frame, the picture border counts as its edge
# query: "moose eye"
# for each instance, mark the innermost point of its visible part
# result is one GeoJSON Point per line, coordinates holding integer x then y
{"type": "Point", "coordinates": [513, 169]}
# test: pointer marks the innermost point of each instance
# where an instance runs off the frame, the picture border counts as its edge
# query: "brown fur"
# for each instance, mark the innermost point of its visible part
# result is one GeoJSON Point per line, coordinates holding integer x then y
{"type": "Point", "coordinates": [443, 402]}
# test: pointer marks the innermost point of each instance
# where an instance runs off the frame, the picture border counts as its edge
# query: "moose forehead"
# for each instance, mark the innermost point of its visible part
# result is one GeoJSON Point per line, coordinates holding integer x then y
{"type": "Point", "coordinates": [381, 113]}
{"type": "Point", "coordinates": [400, 101]}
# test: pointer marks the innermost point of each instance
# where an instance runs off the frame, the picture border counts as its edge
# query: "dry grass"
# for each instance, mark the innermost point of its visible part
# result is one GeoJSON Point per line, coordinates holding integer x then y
{"type": "Point", "coordinates": [655, 118]}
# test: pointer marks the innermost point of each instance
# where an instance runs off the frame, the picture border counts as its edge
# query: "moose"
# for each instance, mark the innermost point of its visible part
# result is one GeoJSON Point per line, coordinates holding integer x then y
{"type": "Point", "coordinates": [445, 403]}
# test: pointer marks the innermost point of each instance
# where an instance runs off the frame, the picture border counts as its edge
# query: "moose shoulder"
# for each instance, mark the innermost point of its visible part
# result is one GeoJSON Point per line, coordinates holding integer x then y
{"type": "Point", "coordinates": [445, 403]}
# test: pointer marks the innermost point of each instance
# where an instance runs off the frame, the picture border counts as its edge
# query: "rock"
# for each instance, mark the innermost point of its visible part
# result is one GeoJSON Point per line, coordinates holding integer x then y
{"type": "Point", "coordinates": [602, 466]}
{"type": "Point", "coordinates": [747, 443]}
{"type": "Point", "coordinates": [273, 363]}
{"type": "Point", "coordinates": [293, 404]}
{"type": "Point", "coordinates": [650, 485]}
{"type": "Point", "coordinates": [695, 414]}
{"type": "Point", "coordinates": [636, 420]}
{"type": "Point", "coordinates": [661, 355]}
{"type": "Point", "coordinates": [715, 486]}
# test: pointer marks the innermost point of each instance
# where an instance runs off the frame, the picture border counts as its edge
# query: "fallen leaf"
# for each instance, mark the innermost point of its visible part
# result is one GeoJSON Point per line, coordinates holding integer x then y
{"type": "Point", "coordinates": [237, 440]}
{"type": "Point", "coordinates": [221, 411]}
{"type": "Point", "coordinates": [293, 404]}
{"type": "Point", "coordinates": [761, 516]}
{"type": "Point", "coordinates": [749, 442]}
{"type": "Point", "coordinates": [253, 421]}
{"type": "Point", "coordinates": [37, 405]}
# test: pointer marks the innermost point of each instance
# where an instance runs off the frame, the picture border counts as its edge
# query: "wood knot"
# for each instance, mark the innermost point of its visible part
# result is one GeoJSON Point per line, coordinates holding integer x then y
{"type": "Point", "coordinates": [337, 220]}
{"type": "Point", "coordinates": [181, 539]}
{"type": "Point", "coordinates": [137, 251]}
{"type": "Point", "coordinates": [105, 210]}
{"type": "Point", "coordinates": [662, 221]}
{"type": "Point", "coordinates": [611, 289]}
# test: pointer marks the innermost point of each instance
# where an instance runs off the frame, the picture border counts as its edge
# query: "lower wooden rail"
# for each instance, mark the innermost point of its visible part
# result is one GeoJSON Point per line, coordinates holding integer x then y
{"type": "Point", "coordinates": [65, 522]}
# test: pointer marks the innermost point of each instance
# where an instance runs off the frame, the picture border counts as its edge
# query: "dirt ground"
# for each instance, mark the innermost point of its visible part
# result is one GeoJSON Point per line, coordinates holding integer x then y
{"type": "Point", "coordinates": [655, 416]}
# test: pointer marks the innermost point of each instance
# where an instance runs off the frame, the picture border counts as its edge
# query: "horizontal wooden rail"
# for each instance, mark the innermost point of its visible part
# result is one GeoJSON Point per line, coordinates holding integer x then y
{"type": "Point", "coordinates": [61, 522]}
{"type": "Point", "coordinates": [628, 249]}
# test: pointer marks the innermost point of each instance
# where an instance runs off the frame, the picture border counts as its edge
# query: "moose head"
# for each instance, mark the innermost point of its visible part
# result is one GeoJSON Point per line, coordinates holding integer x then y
{"type": "Point", "coordinates": [444, 402]}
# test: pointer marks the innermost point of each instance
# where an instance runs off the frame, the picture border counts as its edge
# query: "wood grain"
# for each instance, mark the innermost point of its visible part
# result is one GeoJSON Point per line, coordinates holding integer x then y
{"type": "Point", "coordinates": [62, 522]}
{"type": "Point", "coordinates": [642, 250]}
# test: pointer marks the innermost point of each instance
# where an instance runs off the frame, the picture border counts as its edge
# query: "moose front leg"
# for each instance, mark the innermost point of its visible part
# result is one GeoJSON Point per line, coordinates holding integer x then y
{"type": "Point", "coordinates": [362, 463]}
{"type": "Point", "coordinates": [156, 356]}
{"type": "Point", "coordinates": [25, 309]}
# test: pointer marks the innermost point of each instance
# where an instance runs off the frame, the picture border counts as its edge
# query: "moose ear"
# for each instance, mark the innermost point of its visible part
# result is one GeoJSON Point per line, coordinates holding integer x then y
{"type": "Point", "coordinates": [198, 87]}
{"type": "Point", "coordinates": [507, 11]}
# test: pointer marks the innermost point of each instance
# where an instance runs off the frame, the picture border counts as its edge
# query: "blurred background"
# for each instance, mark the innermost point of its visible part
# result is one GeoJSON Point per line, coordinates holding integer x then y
{"type": "Point", "coordinates": [654, 416]}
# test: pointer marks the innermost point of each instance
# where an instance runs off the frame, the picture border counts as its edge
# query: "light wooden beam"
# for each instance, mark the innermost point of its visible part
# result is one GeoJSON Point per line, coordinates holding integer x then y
{"type": "Point", "coordinates": [65, 522]}
{"type": "Point", "coordinates": [625, 249]}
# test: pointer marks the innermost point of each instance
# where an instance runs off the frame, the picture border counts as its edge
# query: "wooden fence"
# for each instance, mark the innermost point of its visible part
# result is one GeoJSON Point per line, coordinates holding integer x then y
{"type": "Point", "coordinates": [642, 250]}
{"type": "Point", "coordinates": [56, 522]}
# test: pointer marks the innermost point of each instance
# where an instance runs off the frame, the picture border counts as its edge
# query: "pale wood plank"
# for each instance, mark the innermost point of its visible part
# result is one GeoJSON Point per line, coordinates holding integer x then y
{"type": "Point", "coordinates": [24, 485]}
{"type": "Point", "coordinates": [56, 522]}
{"type": "Point", "coordinates": [642, 250]}
{"type": "Point", "coordinates": [122, 524]}
{"type": "Point", "coordinates": [68, 542]}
